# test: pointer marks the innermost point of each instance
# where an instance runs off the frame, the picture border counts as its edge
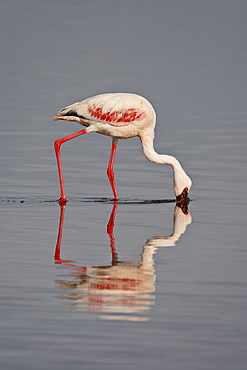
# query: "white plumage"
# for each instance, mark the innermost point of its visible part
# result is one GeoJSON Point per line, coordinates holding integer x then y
{"type": "Point", "coordinates": [121, 116]}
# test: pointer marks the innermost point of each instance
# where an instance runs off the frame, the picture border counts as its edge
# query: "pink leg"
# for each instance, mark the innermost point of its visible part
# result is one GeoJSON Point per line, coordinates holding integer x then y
{"type": "Point", "coordinates": [57, 146]}
{"type": "Point", "coordinates": [110, 172]}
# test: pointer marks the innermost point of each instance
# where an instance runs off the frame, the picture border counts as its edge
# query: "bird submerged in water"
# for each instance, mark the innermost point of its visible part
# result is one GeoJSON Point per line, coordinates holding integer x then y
{"type": "Point", "coordinates": [121, 116]}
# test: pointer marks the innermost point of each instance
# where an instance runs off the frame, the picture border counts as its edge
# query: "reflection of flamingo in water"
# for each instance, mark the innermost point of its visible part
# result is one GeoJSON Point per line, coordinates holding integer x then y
{"type": "Point", "coordinates": [120, 116]}
{"type": "Point", "coordinates": [123, 287]}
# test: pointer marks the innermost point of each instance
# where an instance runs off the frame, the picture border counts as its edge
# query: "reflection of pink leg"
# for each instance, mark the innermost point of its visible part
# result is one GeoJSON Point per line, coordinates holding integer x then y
{"type": "Point", "coordinates": [110, 228]}
{"type": "Point", "coordinates": [57, 257]}
{"type": "Point", "coordinates": [110, 171]}
{"type": "Point", "coordinates": [57, 146]}
{"type": "Point", "coordinates": [59, 235]}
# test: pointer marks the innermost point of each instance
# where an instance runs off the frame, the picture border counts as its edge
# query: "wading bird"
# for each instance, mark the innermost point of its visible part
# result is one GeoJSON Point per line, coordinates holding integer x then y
{"type": "Point", "coordinates": [121, 116]}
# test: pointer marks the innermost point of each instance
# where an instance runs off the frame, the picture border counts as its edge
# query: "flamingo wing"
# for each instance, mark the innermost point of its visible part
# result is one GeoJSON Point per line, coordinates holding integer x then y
{"type": "Point", "coordinates": [117, 109]}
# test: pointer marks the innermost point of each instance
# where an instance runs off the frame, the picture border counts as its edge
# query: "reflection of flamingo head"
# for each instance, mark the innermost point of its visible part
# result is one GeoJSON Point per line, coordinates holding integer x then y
{"type": "Point", "coordinates": [180, 222]}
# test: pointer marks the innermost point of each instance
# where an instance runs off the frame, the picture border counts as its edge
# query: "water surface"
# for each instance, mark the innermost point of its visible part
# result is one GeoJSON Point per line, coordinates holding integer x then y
{"type": "Point", "coordinates": [141, 284]}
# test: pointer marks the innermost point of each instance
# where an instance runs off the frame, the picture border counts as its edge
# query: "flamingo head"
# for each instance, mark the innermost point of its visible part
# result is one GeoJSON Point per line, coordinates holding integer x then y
{"type": "Point", "coordinates": [182, 185]}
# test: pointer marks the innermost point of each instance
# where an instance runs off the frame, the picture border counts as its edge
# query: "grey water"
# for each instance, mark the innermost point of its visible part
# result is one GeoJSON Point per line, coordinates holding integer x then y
{"type": "Point", "coordinates": [141, 284]}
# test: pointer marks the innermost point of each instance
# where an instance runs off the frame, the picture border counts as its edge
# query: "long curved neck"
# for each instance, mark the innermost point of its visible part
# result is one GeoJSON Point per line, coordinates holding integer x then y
{"type": "Point", "coordinates": [153, 156]}
{"type": "Point", "coordinates": [181, 180]}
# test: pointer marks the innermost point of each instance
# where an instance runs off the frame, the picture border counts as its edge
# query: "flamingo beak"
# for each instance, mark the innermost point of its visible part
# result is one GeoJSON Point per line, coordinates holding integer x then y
{"type": "Point", "coordinates": [183, 196]}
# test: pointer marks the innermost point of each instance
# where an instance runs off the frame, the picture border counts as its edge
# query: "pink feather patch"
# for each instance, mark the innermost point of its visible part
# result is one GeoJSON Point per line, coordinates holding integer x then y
{"type": "Point", "coordinates": [117, 116]}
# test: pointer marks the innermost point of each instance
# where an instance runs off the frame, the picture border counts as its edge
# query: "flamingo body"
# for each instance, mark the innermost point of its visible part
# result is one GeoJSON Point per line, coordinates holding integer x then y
{"type": "Point", "coordinates": [121, 116]}
{"type": "Point", "coordinates": [117, 115]}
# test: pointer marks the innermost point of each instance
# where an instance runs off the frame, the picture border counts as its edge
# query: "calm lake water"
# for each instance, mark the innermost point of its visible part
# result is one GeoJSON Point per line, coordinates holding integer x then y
{"type": "Point", "coordinates": [139, 284]}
